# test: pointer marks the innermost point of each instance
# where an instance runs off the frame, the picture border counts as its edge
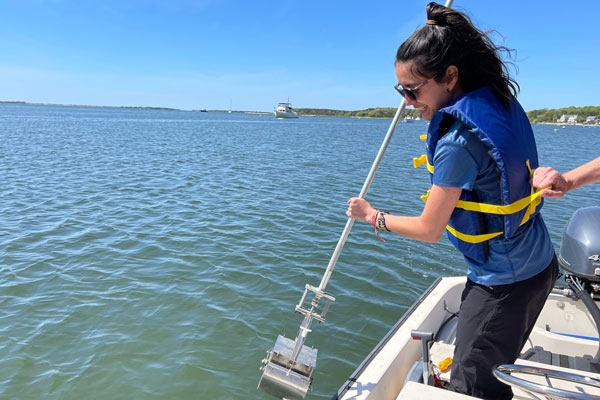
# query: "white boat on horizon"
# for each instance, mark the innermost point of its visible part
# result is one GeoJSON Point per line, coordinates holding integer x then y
{"type": "Point", "coordinates": [285, 110]}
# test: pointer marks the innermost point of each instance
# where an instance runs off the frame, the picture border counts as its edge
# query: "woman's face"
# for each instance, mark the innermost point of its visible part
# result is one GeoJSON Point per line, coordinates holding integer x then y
{"type": "Point", "coordinates": [430, 94]}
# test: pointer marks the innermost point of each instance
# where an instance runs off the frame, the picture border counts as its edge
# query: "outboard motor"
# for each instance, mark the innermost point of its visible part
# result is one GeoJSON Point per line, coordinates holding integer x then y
{"type": "Point", "coordinates": [579, 258]}
{"type": "Point", "coordinates": [580, 249]}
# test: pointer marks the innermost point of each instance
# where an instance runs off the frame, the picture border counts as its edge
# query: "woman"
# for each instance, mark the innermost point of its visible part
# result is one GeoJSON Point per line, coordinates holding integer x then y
{"type": "Point", "coordinates": [480, 153]}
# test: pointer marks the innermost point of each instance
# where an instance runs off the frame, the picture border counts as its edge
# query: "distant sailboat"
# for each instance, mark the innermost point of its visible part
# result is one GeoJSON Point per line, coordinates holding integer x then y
{"type": "Point", "coordinates": [229, 106]}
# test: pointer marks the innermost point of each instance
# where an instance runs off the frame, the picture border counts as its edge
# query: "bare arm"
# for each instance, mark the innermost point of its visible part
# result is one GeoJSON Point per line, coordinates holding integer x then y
{"type": "Point", "coordinates": [583, 175]}
{"type": "Point", "coordinates": [427, 227]}
{"type": "Point", "coordinates": [562, 183]}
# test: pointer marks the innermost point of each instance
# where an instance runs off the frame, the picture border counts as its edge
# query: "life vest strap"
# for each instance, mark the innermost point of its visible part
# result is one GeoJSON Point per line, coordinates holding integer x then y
{"type": "Point", "coordinates": [531, 202]}
{"type": "Point", "coordinates": [422, 160]}
{"type": "Point", "coordinates": [498, 209]}
{"type": "Point", "coordinates": [472, 238]}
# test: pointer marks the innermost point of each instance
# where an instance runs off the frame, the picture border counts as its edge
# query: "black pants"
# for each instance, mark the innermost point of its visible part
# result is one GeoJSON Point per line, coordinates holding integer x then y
{"type": "Point", "coordinates": [493, 326]}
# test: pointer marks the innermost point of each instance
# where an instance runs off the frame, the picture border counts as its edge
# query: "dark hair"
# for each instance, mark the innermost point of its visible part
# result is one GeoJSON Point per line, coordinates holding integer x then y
{"type": "Point", "coordinates": [450, 38]}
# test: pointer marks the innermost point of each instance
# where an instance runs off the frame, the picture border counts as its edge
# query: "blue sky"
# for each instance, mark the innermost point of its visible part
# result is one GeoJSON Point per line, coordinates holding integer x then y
{"type": "Point", "coordinates": [337, 54]}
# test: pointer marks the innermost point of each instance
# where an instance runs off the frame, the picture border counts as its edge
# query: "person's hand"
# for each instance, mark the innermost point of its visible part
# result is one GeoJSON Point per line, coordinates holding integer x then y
{"type": "Point", "coordinates": [360, 209]}
{"type": "Point", "coordinates": [548, 177]}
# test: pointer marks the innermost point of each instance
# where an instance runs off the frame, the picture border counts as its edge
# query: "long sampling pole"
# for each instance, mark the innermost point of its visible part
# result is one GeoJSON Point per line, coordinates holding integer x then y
{"type": "Point", "coordinates": [288, 367]}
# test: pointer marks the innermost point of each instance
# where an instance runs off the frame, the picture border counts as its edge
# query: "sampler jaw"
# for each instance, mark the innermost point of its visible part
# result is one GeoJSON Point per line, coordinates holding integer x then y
{"type": "Point", "coordinates": [284, 378]}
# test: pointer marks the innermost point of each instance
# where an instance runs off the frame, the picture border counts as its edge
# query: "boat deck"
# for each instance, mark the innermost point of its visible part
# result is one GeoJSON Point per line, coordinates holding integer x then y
{"type": "Point", "coordinates": [418, 391]}
{"type": "Point", "coordinates": [535, 357]}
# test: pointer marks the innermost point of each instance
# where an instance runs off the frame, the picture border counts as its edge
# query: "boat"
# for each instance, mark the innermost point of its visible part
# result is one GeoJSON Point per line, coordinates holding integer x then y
{"type": "Point", "coordinates": [285, 110]}
{"type": "Point", "coordinates": [408, 118]}
{"type": "Point", "coordinates": [561, 359]}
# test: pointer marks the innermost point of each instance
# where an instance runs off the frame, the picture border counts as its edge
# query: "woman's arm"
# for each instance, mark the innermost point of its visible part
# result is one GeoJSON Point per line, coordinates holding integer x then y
{"type": "Point", "coordinates": [427, 227]}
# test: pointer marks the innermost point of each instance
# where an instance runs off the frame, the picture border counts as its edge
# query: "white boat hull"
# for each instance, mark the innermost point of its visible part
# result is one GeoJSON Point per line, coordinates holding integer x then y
{"type": "Point", "coordinates": [280, 114]}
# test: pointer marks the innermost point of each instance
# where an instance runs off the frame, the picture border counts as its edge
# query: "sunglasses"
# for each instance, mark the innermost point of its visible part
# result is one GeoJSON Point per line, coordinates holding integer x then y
{"type": "Point", "coordinates": [413, 92]}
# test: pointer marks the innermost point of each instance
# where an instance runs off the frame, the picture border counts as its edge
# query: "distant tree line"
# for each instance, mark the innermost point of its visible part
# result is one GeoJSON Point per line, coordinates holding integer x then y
{"type": "Point", "coordinates": [536, 116]}
{"type": "Point", "coordinates": [552, 115]}
{"type": "Point", "coordinates": [379, 112]}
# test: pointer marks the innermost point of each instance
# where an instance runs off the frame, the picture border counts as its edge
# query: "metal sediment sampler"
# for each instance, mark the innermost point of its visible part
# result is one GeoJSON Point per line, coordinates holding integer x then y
{"type": "Point", "coordinates": [287, 369]}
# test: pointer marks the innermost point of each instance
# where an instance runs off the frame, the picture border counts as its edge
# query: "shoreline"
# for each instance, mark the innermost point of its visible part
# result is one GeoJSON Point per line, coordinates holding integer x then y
{"type": "Point", "coordinates": [564, 125]}
{"type": "Point", "coordinates": [17, 102]}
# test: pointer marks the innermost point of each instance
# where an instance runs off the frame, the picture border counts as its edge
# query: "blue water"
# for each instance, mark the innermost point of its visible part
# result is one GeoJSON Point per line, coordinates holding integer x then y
{"type": "Point", "coordinates": [155, 254]}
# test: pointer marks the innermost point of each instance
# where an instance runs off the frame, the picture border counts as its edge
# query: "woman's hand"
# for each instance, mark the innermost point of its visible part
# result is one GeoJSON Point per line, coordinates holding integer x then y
{"type": "Point", "coordinates": [360, 209]}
